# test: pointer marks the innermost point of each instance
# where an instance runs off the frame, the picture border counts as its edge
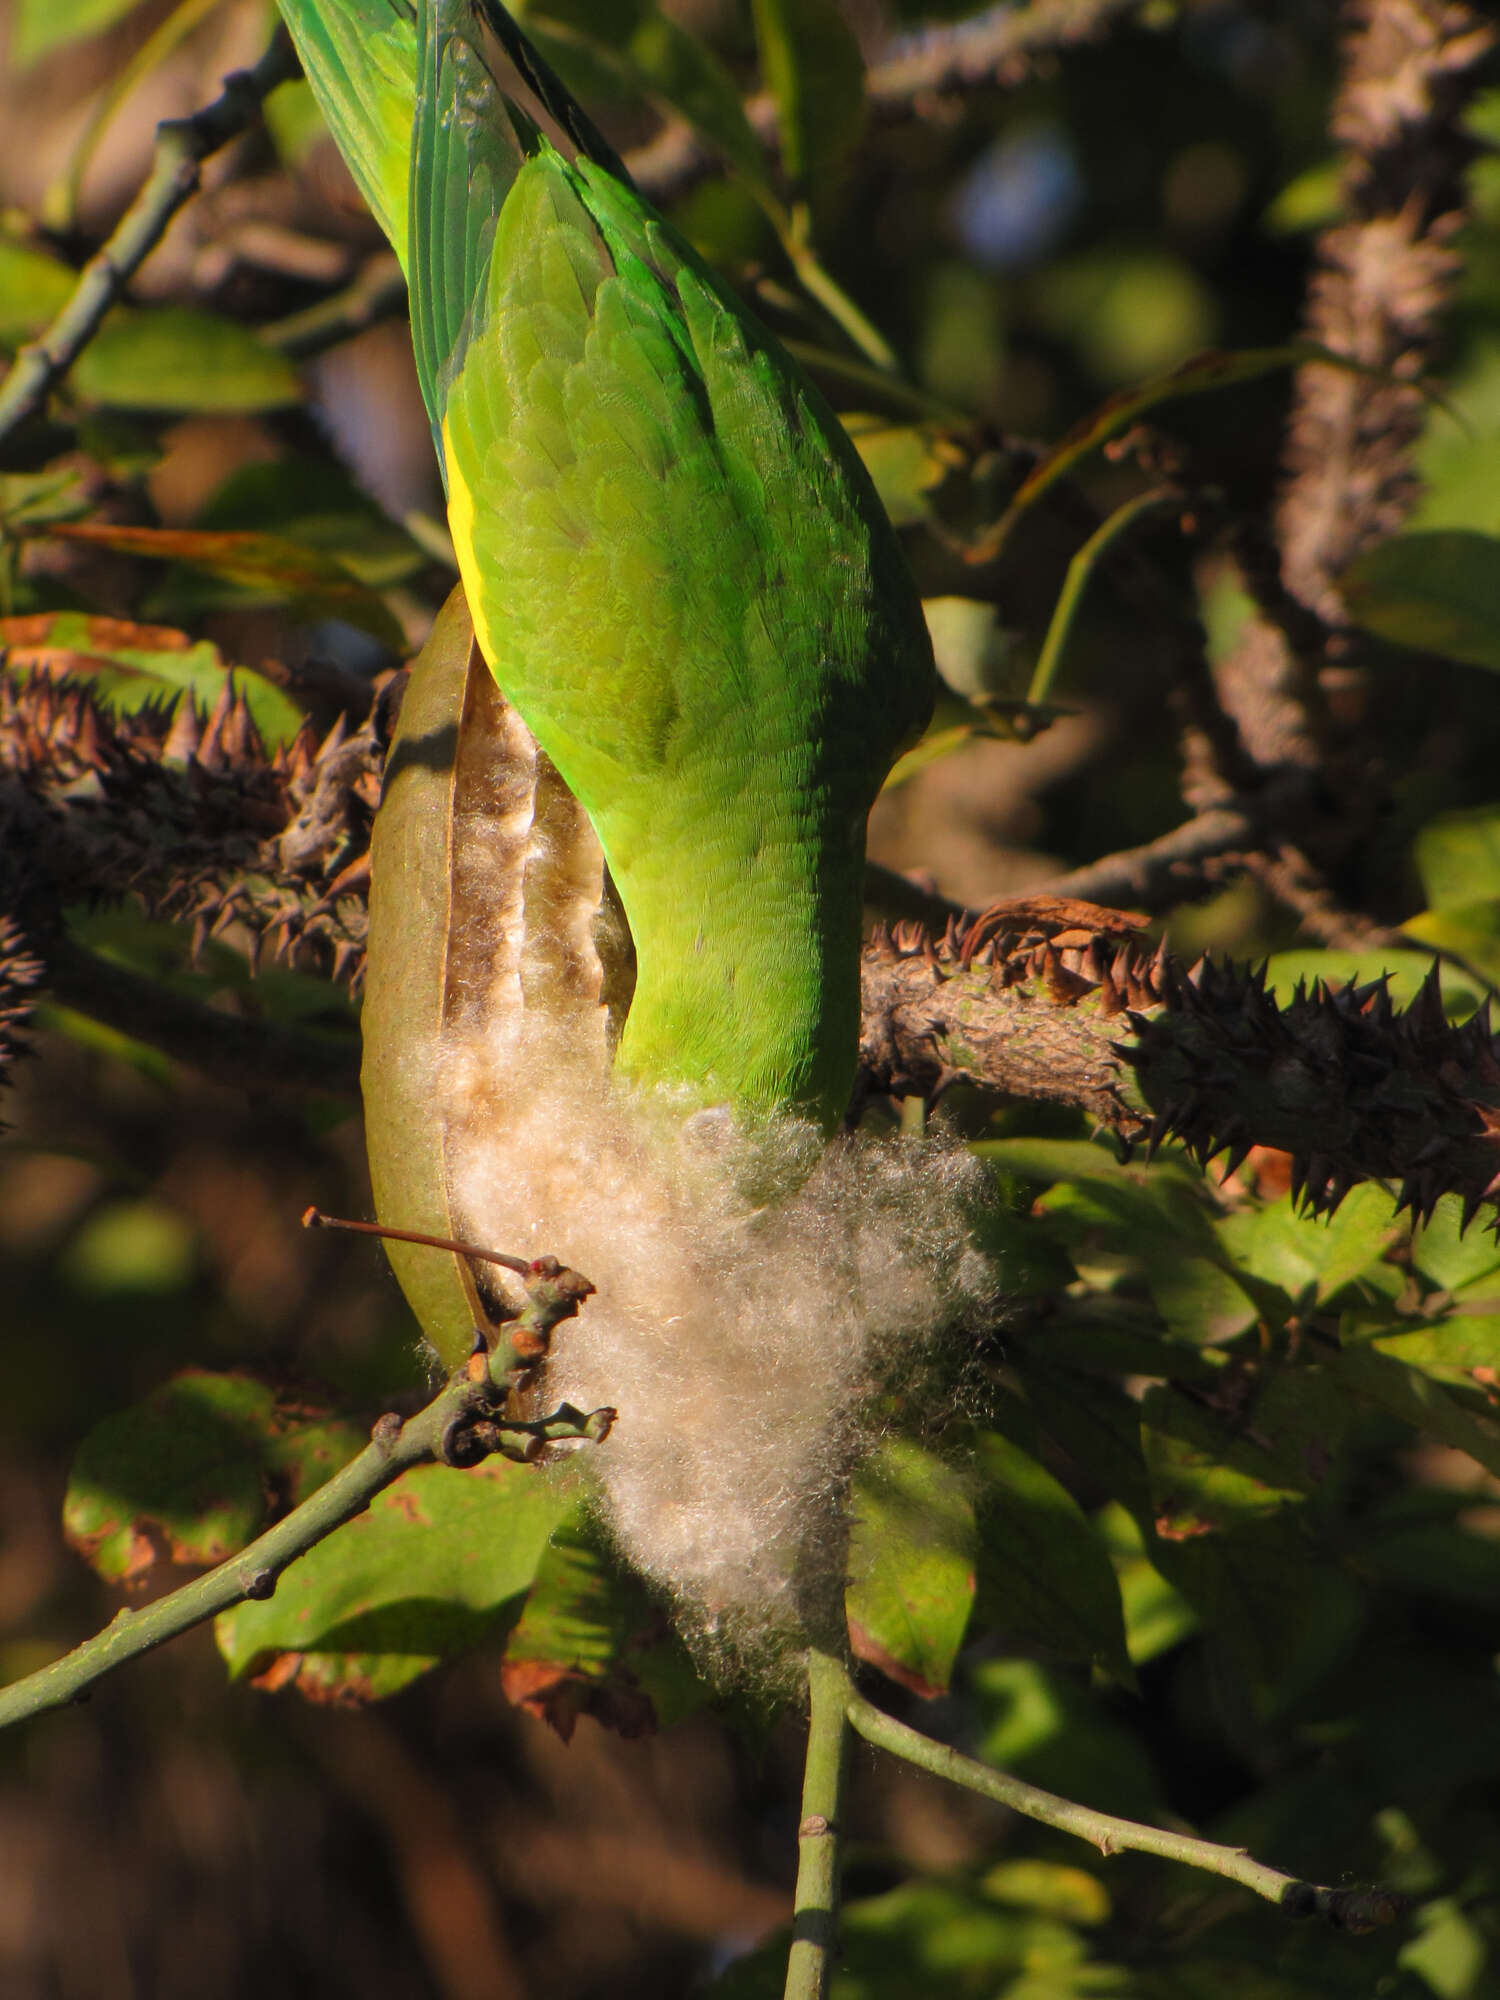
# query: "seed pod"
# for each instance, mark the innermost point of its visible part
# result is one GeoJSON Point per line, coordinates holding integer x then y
{"type": "Point", "coordinates": [487, 886]}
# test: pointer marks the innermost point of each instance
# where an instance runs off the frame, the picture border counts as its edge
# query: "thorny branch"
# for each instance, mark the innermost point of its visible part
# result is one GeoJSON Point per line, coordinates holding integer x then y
{"type": "Point", "coordinates": [1047, 998]}
{"type": "Point", "coordinates": [1384, 275]}
{"type": "Point", "coordinates": [1064, 1003]}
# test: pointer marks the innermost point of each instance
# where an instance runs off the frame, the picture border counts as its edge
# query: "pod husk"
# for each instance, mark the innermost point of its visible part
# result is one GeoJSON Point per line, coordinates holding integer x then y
{"type": "Point", "coordinates": [487, 885]}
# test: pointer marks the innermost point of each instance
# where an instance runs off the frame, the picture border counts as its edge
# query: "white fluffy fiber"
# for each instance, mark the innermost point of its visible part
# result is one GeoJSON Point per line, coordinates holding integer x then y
{"type": "Point", "coordinates": [740, 1338]}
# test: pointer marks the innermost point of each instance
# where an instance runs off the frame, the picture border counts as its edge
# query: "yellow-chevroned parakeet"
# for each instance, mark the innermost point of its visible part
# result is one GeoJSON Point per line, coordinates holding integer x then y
{"type": "Point", "coordinates": [678, 569]}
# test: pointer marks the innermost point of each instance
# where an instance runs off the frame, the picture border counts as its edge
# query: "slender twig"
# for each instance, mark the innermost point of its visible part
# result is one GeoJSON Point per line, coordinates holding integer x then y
{"type": "Point", "coordinates": [182, 145]}
{"type": "Point", "coordinates": [809, 1971]}
{"type": "Point", "coordinates": [1168, 870]}
{"type": "Point", "coordinates": [463, 1424]}
{"type": "Point", "coordinates": [253, 1572]}
{"type": "Point", "coordinates": [377, 292]}
{"type": "Point", "coordinates": [1358, 1908]}
{"type": "Point", "coordinates": [1080, 569]}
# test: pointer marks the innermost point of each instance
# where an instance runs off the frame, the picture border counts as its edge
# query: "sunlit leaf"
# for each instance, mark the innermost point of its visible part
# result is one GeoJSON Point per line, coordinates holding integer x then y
{"type": "Point", "coordinates": [590, 1639]}
{"type": "Point", "coordinates": [904, 460]}
{"type": "Point", "coordinates": [128, 665]}
{"type": "Point", "coordinates": [440, 1560]}
{"type": "Point", "coordinates": [911, 1565]}
{"type": "Point", "coordinates": [188, 1472]}
{"type": "Point", "coordinates": [270, 568]}
{"type": "Point", "coordinates": [177, 358]}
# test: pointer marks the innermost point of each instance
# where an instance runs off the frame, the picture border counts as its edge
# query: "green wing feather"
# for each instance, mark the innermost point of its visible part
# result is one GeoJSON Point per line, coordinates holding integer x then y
{"type": "Point", "coordinates": [360, 57]}
{"type": "Point", "coordinates": [678, 569]}
{"type": "Point", "coordinates": [683, 580]}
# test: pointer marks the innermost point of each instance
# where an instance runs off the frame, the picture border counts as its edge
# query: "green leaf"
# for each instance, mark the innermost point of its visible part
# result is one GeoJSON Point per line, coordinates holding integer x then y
{"type": "Point", "coordinates": [315, 503]}
{"type": "Point", "coordinates": [1470, 931]}
{"type": "Point", "coordinates": [294, 121]}
{"type": "Point", "coordinates": [440, 1560]}
{"type": "Point", "coordinates": [1307, 1258]}
{"type": "Point", "coordinates": [1410, 1394]}
{"type": "Point", "coordinates": [44, 25]}
{"type": "Point", "coordinates": [1043, 1578]}
{"type": "Point", "coordinates": [1049, 1729]}
{"type": "Point", "coordinates": [189, 1470]}
{"type": "Point", "coordinates": [675, 66]}
{"type": "Point", "coordinates": [34, 288]}
{"type": "Point", "coordinates": [590, 1638]}
{"type": "Point", "coordinates": [179, 359]}
{"type": "Point", "coordinates": [1197, 1297]}
{"type": "Point", "coordinates": [266, 569]}
{"type": "Point", "coordinates": [1457, 1259]}
{"type": "Point", "coordinates": [1459, 1350]}
{"type": "Point", "coordinates": [813, 68]}
{"type": "Point", "coordinates": [1157, 1617]}
{"type": "Point", "coordinates": [911, 1565]}
{"type": "Point", "coordinates": [1437, 590]}
{"type": "Point", "coordinates": [1278, 1609]}
{"type": "Point", "coordinates": [173, 358]}
{"type": "Point", "coordinates": [942, 1938]}
{"type": "Point", "coordinates": [1210, 1469]}
{"type": "Point", "coordinates": [1097, 1424]}
{"type": "Point", "coordinates": [128, 665]}
{"type": "Point", "coordinates": [904, 460]}
{"type": "Point", "coordinates": [1458, 855]}
{"type": "Point", "coordinates": [1285, 970]}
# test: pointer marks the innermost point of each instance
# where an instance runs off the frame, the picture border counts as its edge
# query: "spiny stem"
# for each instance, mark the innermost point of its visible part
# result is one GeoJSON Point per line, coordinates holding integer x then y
{"type": "Point", "coordinates": [182, 145]}
{"type": "Point", "coordinates": [1358, 1908]}
{"type": "Point", "coordinates": [809, 1972]}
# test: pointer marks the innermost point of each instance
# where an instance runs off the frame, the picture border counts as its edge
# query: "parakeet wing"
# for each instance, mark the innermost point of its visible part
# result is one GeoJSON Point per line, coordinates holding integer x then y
{"type": "Point", "coordinates": [360, 58]}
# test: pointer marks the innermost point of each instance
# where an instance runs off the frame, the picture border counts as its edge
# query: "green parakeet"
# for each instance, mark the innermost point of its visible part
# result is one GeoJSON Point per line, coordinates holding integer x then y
{"type": "Point", "coordinates": [678, 569]}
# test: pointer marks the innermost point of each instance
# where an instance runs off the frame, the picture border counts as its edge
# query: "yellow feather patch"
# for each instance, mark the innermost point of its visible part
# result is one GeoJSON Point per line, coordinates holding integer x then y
{"type": "Point", "coordinates": [461, 527]}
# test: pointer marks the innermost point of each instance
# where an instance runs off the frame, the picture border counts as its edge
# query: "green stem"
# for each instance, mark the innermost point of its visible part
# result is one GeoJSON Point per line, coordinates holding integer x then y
{"type": "Point", "coordinates": [459, 1426]}
{"type": "Point", "coordinates": [795, 230]}
{"type": "Point", "coordinates": [1354, 1908]}
{"type": "Point", "coordinates": [252, 1573]}
{"type": "Point", "coordinates": [182, 145]}
{"type": "Point", "coordinates": [1076, 582]}
{"type": "Point", "coordinates": [809, 1971]}
{"type": "Point", "coordinates": [889, 388]}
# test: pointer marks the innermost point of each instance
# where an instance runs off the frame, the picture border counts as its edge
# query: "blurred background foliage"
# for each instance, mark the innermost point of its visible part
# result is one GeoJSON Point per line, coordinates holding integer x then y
{"type": "Point", "coordinates": [1231, 1556]}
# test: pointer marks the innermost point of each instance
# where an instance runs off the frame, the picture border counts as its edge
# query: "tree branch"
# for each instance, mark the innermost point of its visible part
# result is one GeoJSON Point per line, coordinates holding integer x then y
{"type": "Point", "coordinates": [182, 145]}
{"type": "Point", "coordinates": [1041, 1006]}
{"type": "Point", "coordinates": [1350, 1909]}
{"type": "Point", "coordinates": [913, 75]}
{"type": "Point", "coordinates": [464, 1423]}
{"type": "Point", "coordinates": [1046, 997]}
